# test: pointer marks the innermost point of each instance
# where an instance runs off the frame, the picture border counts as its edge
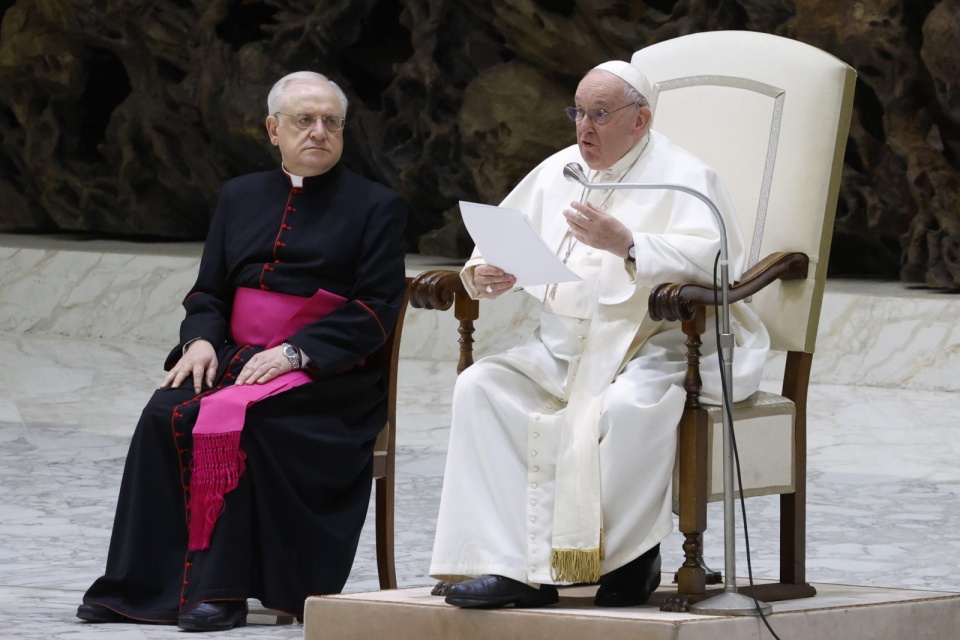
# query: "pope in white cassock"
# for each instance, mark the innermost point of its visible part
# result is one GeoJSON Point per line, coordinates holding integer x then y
{"type": "Point", "coordinates": [560, 462]}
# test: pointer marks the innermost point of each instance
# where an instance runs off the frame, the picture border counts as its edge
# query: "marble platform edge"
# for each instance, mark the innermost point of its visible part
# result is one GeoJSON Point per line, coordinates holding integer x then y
{"type": "Point", "coordinates": [883, 334]}
{"type": "Point", "coordinates": [838, 611]}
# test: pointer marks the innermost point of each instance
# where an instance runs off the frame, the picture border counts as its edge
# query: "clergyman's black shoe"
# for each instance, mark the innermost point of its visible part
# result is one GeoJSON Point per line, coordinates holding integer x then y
{"type": "Point", "coordinates": [100, 613]}
{"type": "Point", "coordinates": [490, 591]}
{"type": "Point", "coordinates": [217, 615]}
{"type": "Point", "coordinates": [631, 584]}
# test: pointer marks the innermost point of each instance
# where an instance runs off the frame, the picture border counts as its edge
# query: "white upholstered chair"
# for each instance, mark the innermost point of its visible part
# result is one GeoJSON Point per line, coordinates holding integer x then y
{"type": "Point", "coordinates": [771, 115]}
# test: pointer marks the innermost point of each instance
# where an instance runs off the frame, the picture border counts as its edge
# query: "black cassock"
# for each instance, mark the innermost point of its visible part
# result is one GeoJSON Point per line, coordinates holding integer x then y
{"type": "Point", "coordinates": [291, 527]}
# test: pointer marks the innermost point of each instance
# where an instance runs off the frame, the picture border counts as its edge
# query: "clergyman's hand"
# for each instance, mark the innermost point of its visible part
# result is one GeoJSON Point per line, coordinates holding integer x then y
{"type": "Point", "coordinates": [264, 367]}
{"type": "Point", "coordinates": [598, 229]}
{"type": "Point", "coordinates": [492, 281]}
{"type": "Point", "coordinates": [200, 361]}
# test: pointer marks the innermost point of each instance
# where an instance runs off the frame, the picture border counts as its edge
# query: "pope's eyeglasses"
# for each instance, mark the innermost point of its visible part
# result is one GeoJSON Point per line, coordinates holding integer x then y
{"type": "Point", "coordinates": [304, 121]}
{"type": "Point", "coordinates": [597, 116]}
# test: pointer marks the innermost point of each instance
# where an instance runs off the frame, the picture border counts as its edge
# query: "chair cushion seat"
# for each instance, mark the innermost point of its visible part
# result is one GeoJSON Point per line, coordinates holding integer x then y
{"type": "Point", "coordinates": [763, 425]}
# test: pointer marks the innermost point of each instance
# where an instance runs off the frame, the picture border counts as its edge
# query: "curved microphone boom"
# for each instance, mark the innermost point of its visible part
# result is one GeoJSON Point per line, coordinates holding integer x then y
{"type": "Point", "coordinates": [573, 172]}
{"type": "Point", "coordinates": [729, 602]}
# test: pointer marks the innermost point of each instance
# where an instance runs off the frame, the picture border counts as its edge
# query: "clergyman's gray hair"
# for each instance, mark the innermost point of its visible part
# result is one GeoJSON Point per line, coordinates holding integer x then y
{"type": "Point", "coordinates": [275, 97]}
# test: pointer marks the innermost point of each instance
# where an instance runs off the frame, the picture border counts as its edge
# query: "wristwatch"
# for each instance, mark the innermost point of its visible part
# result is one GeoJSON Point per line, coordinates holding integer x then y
{"type": "Point", "coordinates": [292, 354]}
{"type": "Point", "coordinates": [632, 253]}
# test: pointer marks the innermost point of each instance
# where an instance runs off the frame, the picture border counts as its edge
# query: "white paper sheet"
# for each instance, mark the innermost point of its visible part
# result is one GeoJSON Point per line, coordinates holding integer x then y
{"type": "Point", "coordinates": [506, 239]}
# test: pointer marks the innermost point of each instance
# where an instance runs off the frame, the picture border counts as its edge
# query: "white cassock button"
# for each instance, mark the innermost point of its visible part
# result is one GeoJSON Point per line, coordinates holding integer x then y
{"type": "Point", "coordinates": [533, 519]}
{"type": "Point", "coordinates": [533, 503]}
{"type": "Point", "coordinates": [533, 454]}
{"type": "Point", "coordinates": [535, 435]}
{"type": "Point", "coordinates": [534, 485]}
{"type": "Point", "coordinates": [536, 417]}
{"type": "Point", "coordinates": [536, 468]}
{"type": "Point", "coordinates": [581, 338]}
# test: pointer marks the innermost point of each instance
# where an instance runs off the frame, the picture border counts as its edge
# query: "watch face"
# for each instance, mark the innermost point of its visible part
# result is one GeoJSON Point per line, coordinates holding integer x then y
{"type": "Point", "coordinates": [291, 353]}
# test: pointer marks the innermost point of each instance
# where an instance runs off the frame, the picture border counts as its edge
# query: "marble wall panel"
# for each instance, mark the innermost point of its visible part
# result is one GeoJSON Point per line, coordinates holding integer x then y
{"type": "Point", "coordinates": [886, 335]}
{"type": "Point", "coordinates": [882, 334]}
{"type": "Point", "coordinates": [84, 294]}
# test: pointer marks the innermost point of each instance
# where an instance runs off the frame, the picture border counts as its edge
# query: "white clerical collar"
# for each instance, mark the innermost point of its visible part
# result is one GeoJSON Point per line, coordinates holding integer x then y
{"type": "Point", "coordinates": [295, 180]}
{"type": "Point", "coordinates": [616, 172]}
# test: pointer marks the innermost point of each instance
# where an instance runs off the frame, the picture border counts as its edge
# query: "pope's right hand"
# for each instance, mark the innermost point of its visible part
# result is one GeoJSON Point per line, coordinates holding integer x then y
{"type": "Point", "coordinates": [493, 282]}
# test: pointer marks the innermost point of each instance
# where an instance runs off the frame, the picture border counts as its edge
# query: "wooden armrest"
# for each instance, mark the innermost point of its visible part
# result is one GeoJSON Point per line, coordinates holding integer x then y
{"type": "Point", "coordinates": [438, 290]}
{"type": "Point", "coordinates": [679, 301]}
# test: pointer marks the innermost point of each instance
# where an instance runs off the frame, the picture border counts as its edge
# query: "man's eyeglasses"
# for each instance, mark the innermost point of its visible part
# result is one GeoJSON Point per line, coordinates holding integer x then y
{"type": "Point", "coordinates": [304, 121]}
{"type": "Point", "coordinates": [597, 116]}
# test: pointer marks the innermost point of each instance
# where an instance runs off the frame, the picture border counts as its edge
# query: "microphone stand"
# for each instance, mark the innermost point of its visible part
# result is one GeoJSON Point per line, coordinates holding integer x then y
{"type": "Point", "coordinates": [729, 602]}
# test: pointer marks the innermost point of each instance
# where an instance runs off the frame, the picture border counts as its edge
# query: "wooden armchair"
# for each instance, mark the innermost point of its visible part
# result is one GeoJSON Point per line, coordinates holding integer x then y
{"type": "Point", "coordinates": [771, 115]}
{"type": "Point", "coordinates": [430, 290]}
{"type": "Point", "coordinates": [385, 454]}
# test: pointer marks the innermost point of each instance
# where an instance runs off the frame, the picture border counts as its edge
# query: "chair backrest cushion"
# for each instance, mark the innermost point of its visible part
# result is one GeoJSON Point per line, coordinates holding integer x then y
{"type": "Point", "coordinates": [771, 115]}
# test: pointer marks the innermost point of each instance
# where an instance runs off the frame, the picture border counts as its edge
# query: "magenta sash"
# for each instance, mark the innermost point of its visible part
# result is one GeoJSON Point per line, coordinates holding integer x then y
{"type": "Point", "coordinates": [261, 318]}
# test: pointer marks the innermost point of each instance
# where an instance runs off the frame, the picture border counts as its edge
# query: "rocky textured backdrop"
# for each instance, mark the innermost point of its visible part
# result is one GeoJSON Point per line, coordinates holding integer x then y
{"type": "Point", "coordinates": [123, 118]}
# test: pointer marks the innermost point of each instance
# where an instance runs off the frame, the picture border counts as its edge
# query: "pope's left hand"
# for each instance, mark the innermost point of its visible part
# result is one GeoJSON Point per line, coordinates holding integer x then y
{"type": "Point", "coordinates": [598, 229]}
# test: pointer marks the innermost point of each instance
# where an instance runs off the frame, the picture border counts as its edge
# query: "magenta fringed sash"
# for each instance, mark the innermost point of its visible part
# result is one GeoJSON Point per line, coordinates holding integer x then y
{"type": "Point", "coordinates": [261, 318]}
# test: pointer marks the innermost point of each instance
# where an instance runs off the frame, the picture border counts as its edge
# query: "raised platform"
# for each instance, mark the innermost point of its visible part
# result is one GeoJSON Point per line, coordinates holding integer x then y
{"type": "Point", "coordinates": [838, 612]}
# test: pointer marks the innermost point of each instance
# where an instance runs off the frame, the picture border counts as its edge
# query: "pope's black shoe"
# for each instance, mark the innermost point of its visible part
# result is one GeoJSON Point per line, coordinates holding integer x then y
{"type": "Point", "coordinates": [489, 591]}
{"type": "Point", "coordinates": [631, 584]}
{"type": "Point", "coordinates": [99, 613]}
{"type": "Point", "coordinates": [218, 615]}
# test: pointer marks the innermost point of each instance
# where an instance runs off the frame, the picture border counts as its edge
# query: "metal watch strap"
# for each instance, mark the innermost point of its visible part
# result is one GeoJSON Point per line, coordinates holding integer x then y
{"type": "Point", "coordinates": [292, 353]}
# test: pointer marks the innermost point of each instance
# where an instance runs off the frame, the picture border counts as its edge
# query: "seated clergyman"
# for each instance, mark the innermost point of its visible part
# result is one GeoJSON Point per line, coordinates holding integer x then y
{"type": "Point", "coordinates": [250, 470]}
{"type": "Point", "coordinates": [559, 468]}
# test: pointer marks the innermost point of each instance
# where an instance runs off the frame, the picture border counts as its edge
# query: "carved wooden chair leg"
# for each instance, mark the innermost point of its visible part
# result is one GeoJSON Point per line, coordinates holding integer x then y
{"type": "Point", "coordinates": [439, 290]}
{"type": "Point", "coordinates": [711, 576]}
{"type": "Point", "coordinates": [691, 577]}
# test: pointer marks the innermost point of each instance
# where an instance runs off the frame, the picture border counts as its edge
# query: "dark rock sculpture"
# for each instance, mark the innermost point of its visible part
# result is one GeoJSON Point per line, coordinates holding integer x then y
{"type": "Point", "coordinates": [124, 118]}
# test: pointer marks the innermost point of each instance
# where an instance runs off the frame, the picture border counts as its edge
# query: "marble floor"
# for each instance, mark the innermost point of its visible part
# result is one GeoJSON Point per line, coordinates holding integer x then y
{"type": "Point", "coordinates": [884, 488]}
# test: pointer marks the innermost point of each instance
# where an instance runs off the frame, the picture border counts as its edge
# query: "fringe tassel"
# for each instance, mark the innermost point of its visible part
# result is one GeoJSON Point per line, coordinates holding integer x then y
{"type": "Point", "coordinates": [577, 565]}
{"type": "Point", "coordinates": [218, 464]}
